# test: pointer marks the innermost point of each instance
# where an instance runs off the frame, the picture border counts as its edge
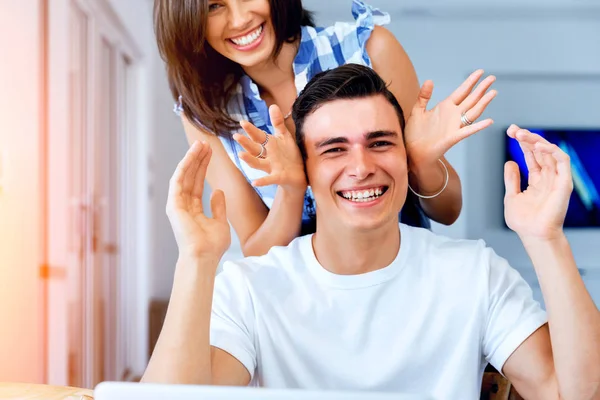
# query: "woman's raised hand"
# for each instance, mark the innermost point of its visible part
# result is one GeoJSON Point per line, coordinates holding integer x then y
{"type": "Point", "coordinates": [429, 134]}
{"type": "Point", "coordinates": [277, 155]}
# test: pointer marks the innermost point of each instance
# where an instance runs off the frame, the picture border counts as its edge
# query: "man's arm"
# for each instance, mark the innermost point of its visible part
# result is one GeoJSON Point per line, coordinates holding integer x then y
{"type": "Point", "coordinates": [183, 354]}
{"type": "Point", "coordinates": [560, 360]}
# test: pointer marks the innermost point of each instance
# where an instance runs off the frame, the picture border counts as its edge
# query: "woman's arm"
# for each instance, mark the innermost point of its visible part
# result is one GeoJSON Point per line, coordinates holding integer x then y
{"type": "Point", "coordinates": [257, 227]}
{"type": "Point", "coordinates": [392, 63]}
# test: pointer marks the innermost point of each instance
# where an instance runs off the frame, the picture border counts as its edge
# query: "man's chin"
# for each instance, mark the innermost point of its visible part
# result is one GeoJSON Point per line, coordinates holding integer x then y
{"type": "Point", "coordinates": [365, 223]}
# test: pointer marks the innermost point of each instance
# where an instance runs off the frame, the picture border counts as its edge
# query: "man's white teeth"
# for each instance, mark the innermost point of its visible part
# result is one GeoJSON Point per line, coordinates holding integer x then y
{"type": "Point", "coordinates": [363, 195]}
{"type": "Point", "coordinates": [248, 39]}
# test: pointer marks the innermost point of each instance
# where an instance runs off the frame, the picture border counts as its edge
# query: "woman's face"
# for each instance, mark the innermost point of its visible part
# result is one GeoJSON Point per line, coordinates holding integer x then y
{"type": "Point", "coordinates": [241, 30]}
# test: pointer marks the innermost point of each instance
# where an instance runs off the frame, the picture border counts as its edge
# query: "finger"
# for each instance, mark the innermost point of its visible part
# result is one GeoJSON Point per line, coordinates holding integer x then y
{"type": "Point", "coordinates": [563, 162]}
{"type": "Point", "coordinates": [461, 93]}
{"type": "Point", "coordinates": [478, 93]}
{"type": "Point", "coordinates": [278, 121]}
{"type": "Point", "coordinates": [217, 206]}
{"type": "Point", "coordinates": [192, 166]}
{"type": "Point", "coordinates": [247, 144]}
{"type": "Point", "coordinates": [527, 141]}
{"type": "Point", "coordinates": [179, 173]}
{"type": "Point", "coordinates": [532, 165]}
{"type": "Point", "coordinates": [256, 163]}
{"type": "Point", "coordinates": [266, 181]}
{"type": "Point", "coordinates": [549, 162]}
{"type": "Point", "coordinates": [512, 131]}
{"type": "Point", "coordinates": [175, 182]}
{"type": "Point", "coordinates": [547, 151]}
{"type": "Point", "coordinates": [257, 135]}
{"type": "Point", "coordinates": [196, 206]}
{"type": "Point", "coordinates": [525, 136]}
{"type": "Point", "coordinates": [474, 113]}
{"type": "Point", "coordinates": [424, 96]}
{"type": "Point", "coordinates": [512, 179]}
{"type": "Point", "coordinates": [469, 130]}
{"type": "Point", "coordinates": [204, 159]}
{"type": "Point", "coordinates": [177, 179]}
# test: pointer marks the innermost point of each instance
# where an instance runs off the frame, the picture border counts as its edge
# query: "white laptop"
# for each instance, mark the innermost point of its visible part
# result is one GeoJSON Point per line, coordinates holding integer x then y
{"type": "Point", "coordinates": [151, 391]}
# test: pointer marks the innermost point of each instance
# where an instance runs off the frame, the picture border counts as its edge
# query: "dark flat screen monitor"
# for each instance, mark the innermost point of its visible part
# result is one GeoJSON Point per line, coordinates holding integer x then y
{"type": "Point", "coordinates": [583, 146]}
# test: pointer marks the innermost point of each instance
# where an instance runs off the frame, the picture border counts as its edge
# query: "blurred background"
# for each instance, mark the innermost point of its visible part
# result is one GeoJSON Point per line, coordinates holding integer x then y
{"type": "Point", "coordinates": [88, 143]}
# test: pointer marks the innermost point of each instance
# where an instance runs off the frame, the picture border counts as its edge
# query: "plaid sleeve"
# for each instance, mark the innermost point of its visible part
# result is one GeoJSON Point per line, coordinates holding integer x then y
{"type": "Point", "coordinates": [366, 18]}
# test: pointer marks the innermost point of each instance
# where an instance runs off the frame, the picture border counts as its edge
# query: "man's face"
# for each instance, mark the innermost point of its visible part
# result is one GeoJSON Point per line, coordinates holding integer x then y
{"type": "Point", "coordinates": [356, 162]}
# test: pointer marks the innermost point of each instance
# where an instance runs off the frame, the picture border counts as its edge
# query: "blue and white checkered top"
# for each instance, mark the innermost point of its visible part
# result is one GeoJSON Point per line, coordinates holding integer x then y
{"type": "Point", "coordinates": [320, 49]}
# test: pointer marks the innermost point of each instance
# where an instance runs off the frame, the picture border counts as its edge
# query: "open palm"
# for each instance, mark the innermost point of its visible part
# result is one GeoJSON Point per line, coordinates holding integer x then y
{"type": "Point", "coordinates": [197, 235]}
{"type": "Point", "coordinates": [429, 134]}
{"type": "Point", "coordinates": [539, 211]}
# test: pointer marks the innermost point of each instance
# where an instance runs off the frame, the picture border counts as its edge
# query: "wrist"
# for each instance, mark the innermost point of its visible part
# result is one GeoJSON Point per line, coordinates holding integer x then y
{"type": "Point", "coordinates": [204, 264]}
{"type": "Point", "coordinates": [297, 189]}
{"type": "Point", "coordinates": [420, 167]}
{"type": "Point", "coordinates": [550, 240]}
{"type": "Point", "coordinates": [428, 178]}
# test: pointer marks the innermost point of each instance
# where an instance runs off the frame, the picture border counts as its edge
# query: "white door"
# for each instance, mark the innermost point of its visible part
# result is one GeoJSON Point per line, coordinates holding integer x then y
{"type": "Point", "coordinates": [87, 306]}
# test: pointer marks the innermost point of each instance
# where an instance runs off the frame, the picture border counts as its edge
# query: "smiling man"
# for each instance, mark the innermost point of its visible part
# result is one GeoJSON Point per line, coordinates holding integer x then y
{"type": "Point", "coordinates": [365, 303]}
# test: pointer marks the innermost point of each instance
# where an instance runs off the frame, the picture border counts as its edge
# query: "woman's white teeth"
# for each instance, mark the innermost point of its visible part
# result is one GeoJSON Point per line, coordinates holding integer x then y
{"type": "Point", "coordinates": [248, 39]}
{"type": "Point", "coordinates": [363, 195]}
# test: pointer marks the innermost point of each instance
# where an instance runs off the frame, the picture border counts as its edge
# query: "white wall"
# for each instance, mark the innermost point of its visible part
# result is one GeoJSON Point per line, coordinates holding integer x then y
{"type": "Point", "coordinates": [21, 332]}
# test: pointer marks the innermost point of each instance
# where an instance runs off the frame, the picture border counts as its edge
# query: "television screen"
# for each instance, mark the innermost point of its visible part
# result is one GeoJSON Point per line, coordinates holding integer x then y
{"type": "Point", "coordinates": [583, 146]}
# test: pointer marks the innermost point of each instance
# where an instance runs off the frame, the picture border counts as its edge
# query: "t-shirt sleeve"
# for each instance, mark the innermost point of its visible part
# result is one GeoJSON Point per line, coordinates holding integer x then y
{"type": "Point", "coordinates": [513, 314]}
{"type": "Point", "coordinates": [353, 37]}
{"type": "Point", "coordinates": [232, 319]}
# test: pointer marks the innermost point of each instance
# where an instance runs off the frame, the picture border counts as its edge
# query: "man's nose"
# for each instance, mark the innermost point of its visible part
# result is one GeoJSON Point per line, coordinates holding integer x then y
{"type": "Point", "coordinates": [362, 165]}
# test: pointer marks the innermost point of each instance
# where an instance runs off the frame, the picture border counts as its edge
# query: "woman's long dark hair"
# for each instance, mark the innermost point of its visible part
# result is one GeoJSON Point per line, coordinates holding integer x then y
{"type": "Point", "coordinates": [204, 78]}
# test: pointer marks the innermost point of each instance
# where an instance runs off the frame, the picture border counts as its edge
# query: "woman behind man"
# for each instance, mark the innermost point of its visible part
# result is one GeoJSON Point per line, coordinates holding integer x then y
{"type": "Point", "coordinates": [235, 63]}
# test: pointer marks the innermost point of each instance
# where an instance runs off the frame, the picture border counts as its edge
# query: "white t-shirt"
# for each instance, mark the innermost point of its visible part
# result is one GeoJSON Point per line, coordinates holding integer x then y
{"type": "Point", "coordinates": [428, 323]}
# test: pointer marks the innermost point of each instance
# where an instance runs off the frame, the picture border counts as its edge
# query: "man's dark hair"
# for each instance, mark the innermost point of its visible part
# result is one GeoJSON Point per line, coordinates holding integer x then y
{"type": "Point", "coordinates": [350, 81]}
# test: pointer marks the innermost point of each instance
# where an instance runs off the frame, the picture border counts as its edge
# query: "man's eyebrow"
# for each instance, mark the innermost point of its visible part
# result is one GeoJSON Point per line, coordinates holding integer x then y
{"type": "Point", "coordinates": [368, 136]}
{"type": "Point", "coordinates": [380, 134]}
{"type": "Point", "coordinates": [330, 141]}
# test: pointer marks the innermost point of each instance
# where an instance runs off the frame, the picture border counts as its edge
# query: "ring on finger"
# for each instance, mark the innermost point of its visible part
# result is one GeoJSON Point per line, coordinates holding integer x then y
{"type": "Point", "coordinates": [465, 120]}
{"type": "Point", "coordinates": [266, 140]}
{"type": "Point", "coordinates": [263, 152]}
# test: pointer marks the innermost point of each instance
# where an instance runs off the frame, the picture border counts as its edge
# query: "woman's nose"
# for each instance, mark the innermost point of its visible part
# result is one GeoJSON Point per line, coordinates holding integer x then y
{"type": "Point", "coordinates": [238, 15]}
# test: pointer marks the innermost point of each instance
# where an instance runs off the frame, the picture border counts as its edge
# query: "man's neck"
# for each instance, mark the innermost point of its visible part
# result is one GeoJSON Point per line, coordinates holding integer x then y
{"type": "Point", "coordinates": [347, 252]}
{"type": "Point", "coordinates": [272, 75]}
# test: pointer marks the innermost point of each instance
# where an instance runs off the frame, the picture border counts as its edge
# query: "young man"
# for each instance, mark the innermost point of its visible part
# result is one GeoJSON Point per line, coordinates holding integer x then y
{"type": "Point", "coordinates": [366, 304]}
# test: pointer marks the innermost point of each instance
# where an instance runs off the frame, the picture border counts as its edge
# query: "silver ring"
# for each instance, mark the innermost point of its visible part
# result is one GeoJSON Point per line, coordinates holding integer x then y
{"type": "Point", "coordinates": [262, 155]}
{"type": "Point", "coordinates": [464, 120]}
{"type": "Point", "coordinates": [266, 140]}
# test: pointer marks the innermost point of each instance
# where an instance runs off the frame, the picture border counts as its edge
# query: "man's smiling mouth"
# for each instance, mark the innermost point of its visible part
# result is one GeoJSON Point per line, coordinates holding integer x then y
{"type": "Point", "coordinates": [363, 195]}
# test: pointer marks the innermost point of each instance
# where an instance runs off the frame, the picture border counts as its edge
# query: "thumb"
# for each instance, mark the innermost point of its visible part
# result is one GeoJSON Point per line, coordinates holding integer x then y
{"type": "Point", "coordinates": [217, 206]}
{"type": "Point", "coordinates": [424, 95]}
{"type": "Point", "coordinates": [512, 179]}
{"type": "Point", "coordinates": [277, 120]}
